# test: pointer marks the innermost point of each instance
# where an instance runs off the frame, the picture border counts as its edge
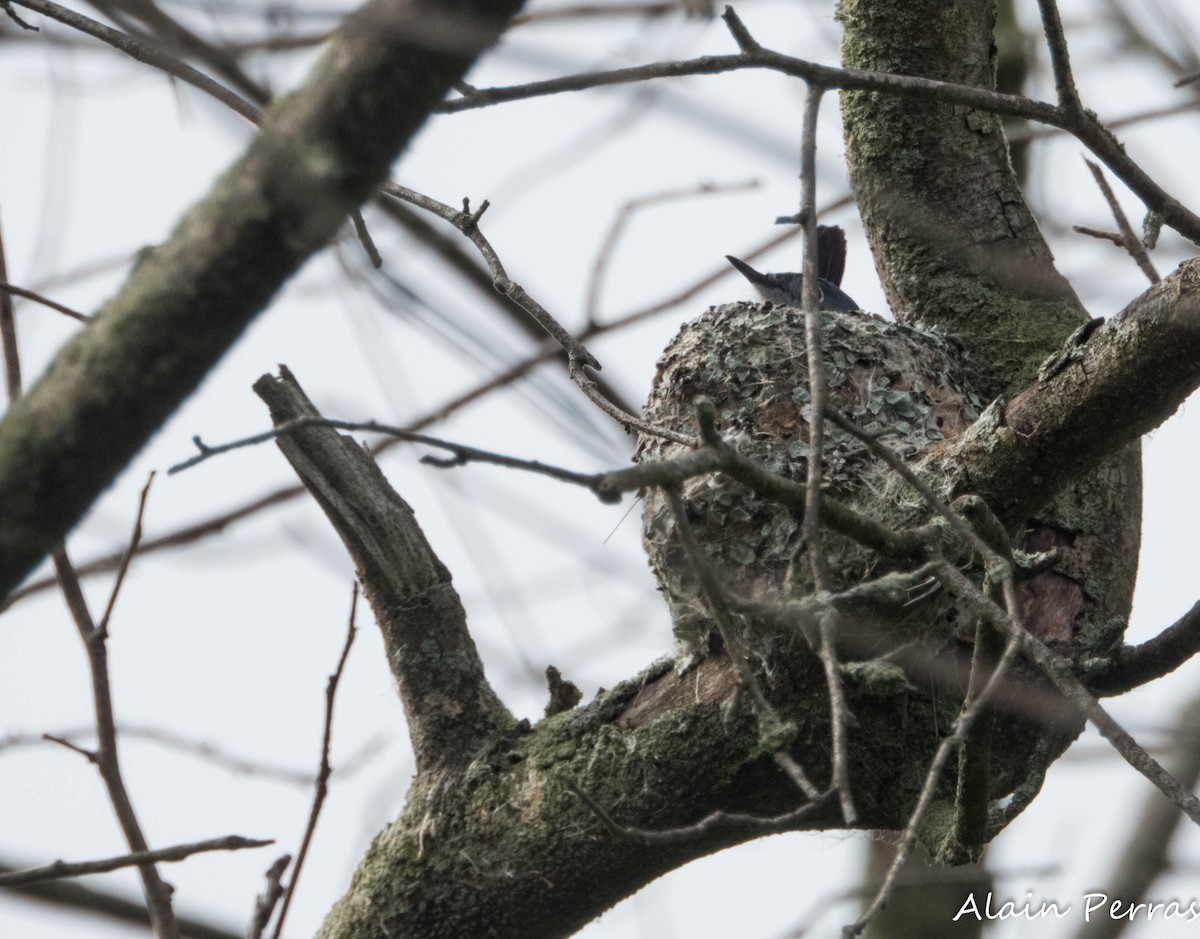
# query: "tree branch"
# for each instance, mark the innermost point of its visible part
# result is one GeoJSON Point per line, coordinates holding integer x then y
{"type": "Point", "coordinates": [1081, 124]}
{"type": "Point", "coordinates": [106, 756]}
{"type": "Point", "coordinates": [146, 52]}
{"type": "Point", "coordinates": [324, 771]}
{"type": "Point", "coordinates": [1127, 238]}
{"type": "Point", "coordinates": [1060, 59]}
{"type": "Point", "coordinates": [1134, 666]}
{"type": "Point", "coordinates": [111, 906]}
{"type": "Point", "coordinates": [189, 299]}
{"type": "Point", "coordinates": [451, 709]}
{"type": "Point", "coordinates": [44, 301]}
{"type": "Point", "coordinates": [1105, 388]}
{"type": "Point", "coordinates": [179, 852]}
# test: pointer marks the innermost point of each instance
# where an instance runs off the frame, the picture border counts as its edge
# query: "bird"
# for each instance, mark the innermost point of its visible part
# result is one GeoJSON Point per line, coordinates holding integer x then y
{"type": "Point", "coordinates": [788, 289]}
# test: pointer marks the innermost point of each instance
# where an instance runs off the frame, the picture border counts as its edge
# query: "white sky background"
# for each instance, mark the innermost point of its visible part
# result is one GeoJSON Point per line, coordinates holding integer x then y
{"type": "Point", "coordinates": [231, 641]}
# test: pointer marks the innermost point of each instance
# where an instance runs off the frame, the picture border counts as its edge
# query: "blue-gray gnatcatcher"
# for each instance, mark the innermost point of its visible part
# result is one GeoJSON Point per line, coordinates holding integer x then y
{"type": "Point", "coordinates": [788, 289]}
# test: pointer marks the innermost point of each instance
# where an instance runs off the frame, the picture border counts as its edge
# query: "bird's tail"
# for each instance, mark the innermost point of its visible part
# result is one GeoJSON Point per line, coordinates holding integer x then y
{"type": "Point", "coordinates": [831, 253]}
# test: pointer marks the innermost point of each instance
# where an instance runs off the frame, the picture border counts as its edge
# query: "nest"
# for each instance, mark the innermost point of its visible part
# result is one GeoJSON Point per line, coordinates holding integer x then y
{"type": "Point", "coordinates": [906, 384]}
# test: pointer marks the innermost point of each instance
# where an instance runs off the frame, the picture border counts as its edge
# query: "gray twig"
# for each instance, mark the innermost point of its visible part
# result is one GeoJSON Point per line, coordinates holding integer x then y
{"type": "Point", "coordinates": [1127, 239]}
{"type": "Point", "coordinates": [326, 768]}
{"type": "Point", "coordinates": [810, 529]}
{"type": "Point", "coordinates": [179, 852]}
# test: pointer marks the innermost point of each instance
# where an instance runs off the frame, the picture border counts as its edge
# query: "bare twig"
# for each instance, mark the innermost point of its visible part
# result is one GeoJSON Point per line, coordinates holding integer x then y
{"type": "Point", "coordinates": [453, 250]}
{"type": "Point", "coordinates": [578, 356]}
{"type": "Point", "coordinates": [99, 905]}
{"type": "Point", "coordinates": [89, 755]}
{"type": "Point", "coordinates": [155, 55]}
{"type": "Point", "coordinates": [326, 768]}
{"type": "Point", "coordinates": [158, 893]}
{"type": "Point", "coordinates": [719, 455]}
{"type": "Point", "coordinates": [1134, 666]}
{"type": "Point", "coordinates": [365, 239]}
{"type": "Point", "coordinates": [1128, 239]}
{"type": "Point", "coordinates": [152, 21]}
{"type": "Point", "coordinates": [105, 757]}
{"type": "Point", "coordinates": [1027, 133]}
{"type": "Point", "coordinates": [1059, 672]}
{"type": "Point", "coordinates": [1145, 854]}
{"type": "Point", "coordinates": [123, 567]}
{"type": "Point", "coordinates": [7, 7]}
{"type": "Point", "coordinates": [461, 454]}
{"type": "Point", "coordinates": [8, 334]}
{"type": "Point", "coordinates": [1147, 27]}
{"type": "Point", "coordinates": [597, 10]}
{"type": "Point", "coordinates": [1077, 121]}
{"type": "Point", "coordinates": [173, 539]}
{"type": "Point", "coordinates": [218, 523]}
{"type": "Point", "coordinates": [288, 43]}
{"type": "Point", "coordinates": [716, 822]}
{"type": "Point", "coordinates": [810, 528]}
{"type": "Point", "coordinates": [179, 852]}
{"type": "Point", "coordinates": [1100, 235]}
{"type": "Point", "coordinates": [11, 289]}
{"type": "Point", "coordinates": [714, 456]}
{"type": "Point", "coordinates": [208, 752]}
{"type": "Point", "coordinates": [758, 57]}
{"type": "Point", "coordinates": [467, 222]}
{"type": "Point", "coordinates": [147, 53]}
{"type": "Point", "coordinates": [264, 903]}
{"type": "Point", "coordinates": [1060, 59]}
{"type": "Point", "coordinates": [83, 272]}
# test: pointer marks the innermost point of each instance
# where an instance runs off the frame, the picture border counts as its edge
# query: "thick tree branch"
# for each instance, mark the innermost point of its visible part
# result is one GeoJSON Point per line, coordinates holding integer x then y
{"type": "Point", "coordinates": [452, 711]}
{"type": "Point", "coordinates": [1134, 666]}
{"type": "Point", "coordinates": [319, 155]}
{"type": "Point", "coordinates": [955, 243]}
{"type": "Point", "coordinates": [1104, 389]}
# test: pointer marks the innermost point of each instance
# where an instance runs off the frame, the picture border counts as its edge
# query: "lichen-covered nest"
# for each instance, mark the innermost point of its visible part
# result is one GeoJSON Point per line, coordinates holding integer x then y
{"type": "Point", "coordinates": [750, 359]}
